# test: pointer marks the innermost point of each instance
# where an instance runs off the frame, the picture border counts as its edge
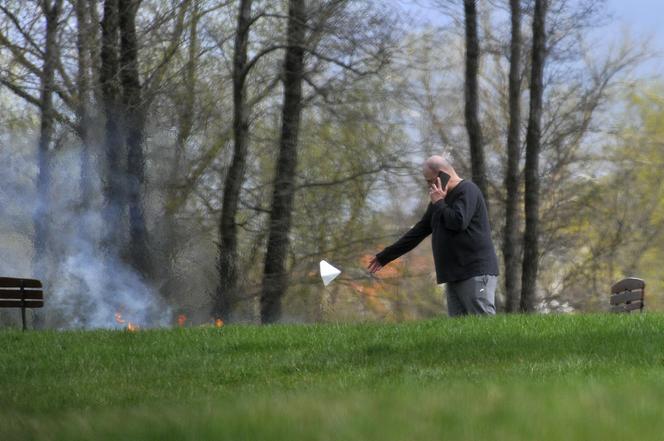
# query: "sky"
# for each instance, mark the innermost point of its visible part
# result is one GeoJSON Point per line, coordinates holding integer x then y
{"type": "Point", "coordinates": [640, 19]}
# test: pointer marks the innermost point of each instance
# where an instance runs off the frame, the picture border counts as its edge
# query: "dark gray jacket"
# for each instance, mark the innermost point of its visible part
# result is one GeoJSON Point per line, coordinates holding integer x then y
{"type": "Point", "coordinates": [461, 236]}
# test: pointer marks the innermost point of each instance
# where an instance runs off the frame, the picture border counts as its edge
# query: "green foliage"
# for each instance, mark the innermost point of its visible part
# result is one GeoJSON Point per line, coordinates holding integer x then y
{"type": "Point", "coordinates": [508, 377]}
{"type": "Point", "coordinates": [618, 224]}
{"type": "Point", "coordinates": [345, 151]}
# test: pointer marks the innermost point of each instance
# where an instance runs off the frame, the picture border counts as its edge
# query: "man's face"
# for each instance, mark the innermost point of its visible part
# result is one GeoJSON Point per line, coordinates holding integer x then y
{"type": "Point", "coordinates": [429, 175]}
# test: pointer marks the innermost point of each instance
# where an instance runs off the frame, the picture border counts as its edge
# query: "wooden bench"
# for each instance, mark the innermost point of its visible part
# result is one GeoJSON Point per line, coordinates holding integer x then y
{"type": "Point", "coordinates": [628, 295]}
{"type": "Point", "coordinates": [21, 293]}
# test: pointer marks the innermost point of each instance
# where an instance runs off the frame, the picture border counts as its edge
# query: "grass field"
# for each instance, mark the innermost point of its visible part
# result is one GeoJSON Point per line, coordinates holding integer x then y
{"type": "Point", "coordinates": [581, 377]}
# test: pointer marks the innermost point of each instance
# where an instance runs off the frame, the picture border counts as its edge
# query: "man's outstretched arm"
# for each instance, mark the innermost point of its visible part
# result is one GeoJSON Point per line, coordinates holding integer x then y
{"type": "Point", "coordinates": [406, 243]}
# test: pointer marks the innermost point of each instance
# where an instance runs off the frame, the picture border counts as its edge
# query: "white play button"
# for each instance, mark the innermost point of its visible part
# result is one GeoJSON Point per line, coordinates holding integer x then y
{"type": "Point", "coordinates": [327, 272]}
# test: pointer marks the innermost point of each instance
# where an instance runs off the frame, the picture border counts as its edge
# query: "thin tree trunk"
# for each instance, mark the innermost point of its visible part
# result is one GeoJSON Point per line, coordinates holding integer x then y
{"type": "Point", "coordinates": [510, 237]}
{"type": "Point", "coordinates": [185, 126]}
{"type": "Point", "coordinates": [114, 194]}
{"type": "Point", "coordinates": [95, 51]}
{"type": "Point", "coordinates": [42, 213]}
{"type": "Point", "coordinates": [472, 99]}
{"type": "Point", "coordinates": [227, 259]}
{"type": "Point", "coordinates": [275, 277]}
{"type": "Point", "coordinates": [134, 113]}
{"type": "Point", "coordinates": [533, 147]}
{"type": "Point", "coordinates": [186, 115]}
{"type": "Point", "coordinates": [83, 109]}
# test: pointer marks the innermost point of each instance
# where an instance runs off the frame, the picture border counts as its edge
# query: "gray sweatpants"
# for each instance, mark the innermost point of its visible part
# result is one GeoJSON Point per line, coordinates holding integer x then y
{"type": "Point", "coordinates": [472, 296]}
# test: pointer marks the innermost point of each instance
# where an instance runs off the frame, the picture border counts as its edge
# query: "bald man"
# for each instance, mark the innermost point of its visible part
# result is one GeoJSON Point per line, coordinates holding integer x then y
{"type": "Point", "coordinates": [463, 252]}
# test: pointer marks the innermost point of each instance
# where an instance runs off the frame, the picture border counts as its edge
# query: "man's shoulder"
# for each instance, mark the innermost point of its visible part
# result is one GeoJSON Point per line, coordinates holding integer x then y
{"type": "Point", "coordinates": [467, 185]}
{"type": "Point", "coordinates": [469, 188]}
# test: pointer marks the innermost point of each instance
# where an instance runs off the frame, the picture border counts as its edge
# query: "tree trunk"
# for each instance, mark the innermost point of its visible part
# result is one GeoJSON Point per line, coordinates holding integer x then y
{"type": "Point", "coordinates": [227, 259]}
{"type": "Point", "coordinates": [533, 147]}
{"type": "Point", "coordinates": [85, 129]}
{"type": "Point", "coordinates": [42, 213]}
{"type": "Point", "coordinates": [510, 237]}
{"type": "Point", "coordinates": [95, 40]}
{"type": "Point", "coordinates": [275, 277]}
{"type": "Point", "coordinates": [134, 118]}
{"type": "Point", "coordinates": [114, 194]}
{"type": "Point", "coordinates": [169, 235]}
{"type": "Point", "coordinates": [472, 99]}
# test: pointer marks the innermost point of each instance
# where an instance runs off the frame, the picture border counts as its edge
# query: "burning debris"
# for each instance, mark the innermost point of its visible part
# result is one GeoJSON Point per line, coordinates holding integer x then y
{"type": "Point", "coordinates": [182, 319]}
{"type": "Point", "coordinates": [131, 327]}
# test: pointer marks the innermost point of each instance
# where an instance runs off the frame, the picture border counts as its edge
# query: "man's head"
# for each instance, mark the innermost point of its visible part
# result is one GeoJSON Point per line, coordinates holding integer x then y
{"type": "Point", "coordinates": [435, 164]}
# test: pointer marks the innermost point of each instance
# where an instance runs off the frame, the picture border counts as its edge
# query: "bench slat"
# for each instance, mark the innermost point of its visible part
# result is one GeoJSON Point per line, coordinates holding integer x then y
{"type": "Point", "coordinates": [627, 307]}
{"type": "Point", "coordinates": [627, 296]}
{"type": "Point", "coordinates": [19, 304]}
{"type": "Point", "coordinates": [628, 284]}
{"type": "Point", "coordinates": [634, 305]}
{"type": "Point", "coordinates": [11, 282]}
{"type": "Point", "coordinates": [8, 294]}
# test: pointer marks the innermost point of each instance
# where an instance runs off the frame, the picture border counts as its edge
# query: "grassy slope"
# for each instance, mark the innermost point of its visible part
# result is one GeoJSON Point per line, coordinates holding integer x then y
{"type": "Point", "coordinates": [520, 377]}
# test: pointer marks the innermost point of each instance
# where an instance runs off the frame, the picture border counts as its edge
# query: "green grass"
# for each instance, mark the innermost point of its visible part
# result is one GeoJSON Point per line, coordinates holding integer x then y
{"type": "Point", "coordinates": [504, 378]}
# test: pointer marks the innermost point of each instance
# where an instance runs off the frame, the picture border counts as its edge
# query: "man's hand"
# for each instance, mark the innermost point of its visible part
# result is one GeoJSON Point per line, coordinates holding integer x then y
{"type": "Point", "coordinates": [374, 265]}
{"type": "Point", "coordinates": [437, 192]}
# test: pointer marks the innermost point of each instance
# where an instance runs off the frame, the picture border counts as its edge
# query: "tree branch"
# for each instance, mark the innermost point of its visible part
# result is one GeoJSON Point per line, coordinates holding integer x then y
{"type": "Point", "coordinates": [37, 103]}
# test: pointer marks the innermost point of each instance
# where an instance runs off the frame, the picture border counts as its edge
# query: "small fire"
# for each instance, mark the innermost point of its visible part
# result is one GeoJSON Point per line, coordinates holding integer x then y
{"type": "Point", "coordinates": [120, 321]}
{"type": "Point", "coordinates": [218, 323]}
{"type": "Point", "coordinates": [182, 319]}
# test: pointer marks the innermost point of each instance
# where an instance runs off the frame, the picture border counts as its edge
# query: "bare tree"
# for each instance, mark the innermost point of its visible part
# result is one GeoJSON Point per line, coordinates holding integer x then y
{"type": "Point", "coordinates": [134, 113]}
{"type": "Point", "coordinates": [114, 192]}
{"type": "Point", "coordinates": [512, 174]}
{"type": "Point", "coordinates": [275, 278]}
{"type": "Point", "coordinates": [533, 146]}
{"type": "Point", "coordinates": [51, 11]}
{"type": "Point", "coordinates": [83, 109]}
{"type": "Point", "coordinates": [185, 103]}
{"type": "Point", "coordinates": [471, 89]}
{"type": "Point", "coordinates": [227, 254]}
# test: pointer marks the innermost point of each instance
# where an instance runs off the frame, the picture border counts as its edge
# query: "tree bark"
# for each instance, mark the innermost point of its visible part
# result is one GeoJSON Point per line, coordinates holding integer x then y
{"type": "Point", "coordinates": [186, 110]}
{"type": "Point", "coordinates": [185, 115]}
{"type": "Point", "coordinates": [95, 51]}
{"type": "Point", "coordinates": [134, 119]}
{"type": "Point", "coordinates": [275, 277]}
{"type": "Point", "coordinates": [85, 129]}
{"type": "Point", "coordinates": [42, 213]}
{"type": "Point", "coordinates": [471, 90]}
{"type": "Point", "coordinates": [533, 147]}
{"type": "Point", "coordinates": [114, 194]}
{"type": "Point", "coordinates": [510, 236]}
{"type": "Point", "coordinates": [227, 258]}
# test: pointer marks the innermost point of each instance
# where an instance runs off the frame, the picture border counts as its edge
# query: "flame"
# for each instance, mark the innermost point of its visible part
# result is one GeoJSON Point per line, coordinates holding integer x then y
{"type": "Point", "coordinates": [182, 319]}
{"type": "Point", "coordinates": [218, 323]}
{"type": "Point", "coordinates": [131, 327]}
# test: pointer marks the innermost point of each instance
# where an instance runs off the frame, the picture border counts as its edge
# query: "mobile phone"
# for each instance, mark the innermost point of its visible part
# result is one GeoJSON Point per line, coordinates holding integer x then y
{"type": "Point", "coordinates": [444, 179]}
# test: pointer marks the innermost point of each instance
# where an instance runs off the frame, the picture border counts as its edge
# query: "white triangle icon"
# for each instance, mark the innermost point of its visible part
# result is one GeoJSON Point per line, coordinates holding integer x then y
{"type": "Point", "coordinates": [327, 272]}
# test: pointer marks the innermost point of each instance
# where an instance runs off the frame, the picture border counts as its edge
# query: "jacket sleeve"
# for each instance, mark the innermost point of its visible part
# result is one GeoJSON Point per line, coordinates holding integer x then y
{"type": "Point", "coordinates": [457, 216]}
{"type": "Point", "coordinates": [408, 241]}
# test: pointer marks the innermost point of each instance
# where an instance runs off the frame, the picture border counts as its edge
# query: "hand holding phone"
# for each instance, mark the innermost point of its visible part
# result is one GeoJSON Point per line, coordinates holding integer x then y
{"type": "Point", "coordinates": [444, 179]}
{"type": "Point", "coordinates": [438, 191]}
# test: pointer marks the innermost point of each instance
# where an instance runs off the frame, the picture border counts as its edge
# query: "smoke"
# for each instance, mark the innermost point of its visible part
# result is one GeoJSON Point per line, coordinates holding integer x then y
{"type": "Point", "coordinates": [85, 283]}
